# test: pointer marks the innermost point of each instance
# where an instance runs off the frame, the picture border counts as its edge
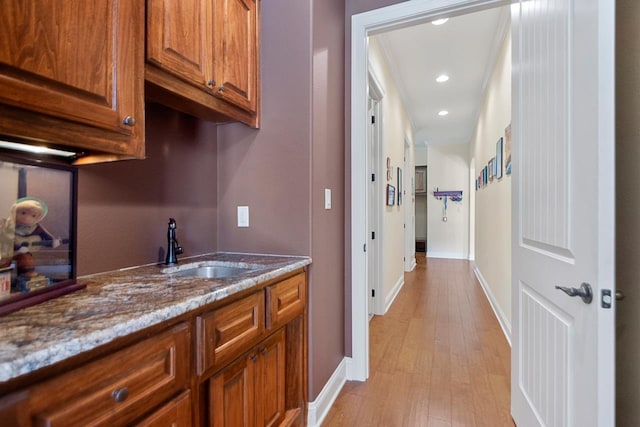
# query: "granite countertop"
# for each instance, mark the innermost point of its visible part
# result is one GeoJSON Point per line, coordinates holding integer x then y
{"type": "Point", "coordinates": [118, 303]}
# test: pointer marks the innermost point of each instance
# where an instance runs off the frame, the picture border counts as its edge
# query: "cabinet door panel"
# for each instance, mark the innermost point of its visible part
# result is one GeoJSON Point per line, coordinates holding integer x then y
{"type": "Point", "coordinates": [232, 395]}
{"type": "Point", "coordinates": [236, 52]}
{"type": "Point", "coordinates": [270, 388]}
{"type": "Point", "coordinates": [179, 38]}
{"type": "Point", "coordinates": [68, 60]}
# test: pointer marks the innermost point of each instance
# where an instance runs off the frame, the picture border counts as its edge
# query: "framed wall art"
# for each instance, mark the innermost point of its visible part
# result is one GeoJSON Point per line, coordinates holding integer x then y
{"type": "Point", "coordinates": [391, 195]}
{"type": "Point", "coordinates": [499, 160]}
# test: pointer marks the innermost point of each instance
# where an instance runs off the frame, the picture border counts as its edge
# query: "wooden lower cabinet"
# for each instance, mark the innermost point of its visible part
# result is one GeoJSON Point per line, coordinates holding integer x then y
{"type": "Point", "coordinates": [242, 372]}
{"type": "Point", "coordinates": [251, 391]}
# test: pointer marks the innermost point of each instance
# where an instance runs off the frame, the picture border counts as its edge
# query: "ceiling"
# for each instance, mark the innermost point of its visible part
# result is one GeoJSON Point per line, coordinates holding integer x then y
{"type": "Point", "coordinates": [465, 48]}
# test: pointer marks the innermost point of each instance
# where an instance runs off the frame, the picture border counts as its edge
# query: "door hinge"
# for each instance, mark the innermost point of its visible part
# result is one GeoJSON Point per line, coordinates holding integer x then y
{"type": "Point", "coordinates": [373, 293]}
{"type": "Point", "coordinates": [365, 248]}
{"type": "Point", "coordinates": [373, 177]}
{"type": "Point", "coordinates": [373, 235]}
{"type": "Point", "coordinates": [373, 120]}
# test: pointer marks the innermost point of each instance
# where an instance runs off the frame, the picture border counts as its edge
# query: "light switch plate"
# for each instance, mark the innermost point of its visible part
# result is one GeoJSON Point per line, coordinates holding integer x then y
{"type": "Point", "coordinates": [243, 216]}
{"type": "Point", "coordinates": [327, 198]}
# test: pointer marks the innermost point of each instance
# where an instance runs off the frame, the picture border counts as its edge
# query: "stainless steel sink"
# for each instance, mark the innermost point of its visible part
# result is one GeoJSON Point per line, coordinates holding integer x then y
{"type": "Point", "coordinates": [213, 272]}
{"type": "Point", "coordinates": [212, 269]}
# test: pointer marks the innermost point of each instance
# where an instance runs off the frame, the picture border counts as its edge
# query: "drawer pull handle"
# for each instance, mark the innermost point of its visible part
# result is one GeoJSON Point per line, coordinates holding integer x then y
{"type": "Point", "coordinates": [120, 395]}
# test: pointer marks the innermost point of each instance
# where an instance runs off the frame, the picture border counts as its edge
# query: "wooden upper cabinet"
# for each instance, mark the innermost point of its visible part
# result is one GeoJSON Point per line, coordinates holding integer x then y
{"type": "Point", "coordinates": [236, 51]}
{"type": "Point", "coordinates": [179, 38]}
{"type": "Point", "coordinates": [203, 58]}
{"type": "Point", "coordinates": [71, 73]}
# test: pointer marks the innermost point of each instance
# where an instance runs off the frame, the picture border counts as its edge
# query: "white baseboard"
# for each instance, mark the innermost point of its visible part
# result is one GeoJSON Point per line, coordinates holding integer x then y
{"type": "Point", "coordinates": [502, 318]}
{"type": "Point", "coordinates": [394, 293]}
{"type": "Point", "coordinates": [413, 264]}
{"type": "Point", "coordinates": [450, 255]}
{"type": "Point", "coordinates": [319, 408]}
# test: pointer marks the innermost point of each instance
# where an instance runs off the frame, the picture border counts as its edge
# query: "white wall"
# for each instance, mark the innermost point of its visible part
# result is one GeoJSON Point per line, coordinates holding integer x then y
{"type": "Point", "coordinates": [628, 211]}
{"type": "Point", "coordinates": [448, 169]}
{"type": "Point", "coordinates": [493, 202]}
{"type": "Point", "coordinates": [395, 128]}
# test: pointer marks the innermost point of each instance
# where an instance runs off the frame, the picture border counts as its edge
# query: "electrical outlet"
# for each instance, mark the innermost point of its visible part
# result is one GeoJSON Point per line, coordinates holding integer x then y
{"type": "Point", "coordinates": [243, 216]}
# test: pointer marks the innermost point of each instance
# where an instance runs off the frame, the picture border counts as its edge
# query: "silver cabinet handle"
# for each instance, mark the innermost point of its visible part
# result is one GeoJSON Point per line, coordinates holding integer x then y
{"type": "Point", "coordinates": [584, 292]}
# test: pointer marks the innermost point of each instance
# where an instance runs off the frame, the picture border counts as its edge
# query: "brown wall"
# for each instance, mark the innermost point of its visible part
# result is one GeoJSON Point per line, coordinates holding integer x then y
{"type": "Point", "coordinates": [328, 292]}
{"type": "Point", "coordinates": [269, 169]}
{"type": "Point", "coordinates": [281, 171]}
{"type": "Point", "coordinates": [123, 207]}
{"type": "Point", "coordinates": [627, 211]}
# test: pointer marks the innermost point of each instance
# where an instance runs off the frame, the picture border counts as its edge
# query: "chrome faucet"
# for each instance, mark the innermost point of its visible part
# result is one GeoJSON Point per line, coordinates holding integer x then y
{"type": "Point", "coordinates": [174, 247]}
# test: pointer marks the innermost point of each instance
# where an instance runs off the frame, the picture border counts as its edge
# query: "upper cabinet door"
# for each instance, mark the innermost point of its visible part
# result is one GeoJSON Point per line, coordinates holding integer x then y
{"type": "Point", "coordinates": [179, 38]}
{"type": "Point", "coordinates": [72, 71]}
{"type": "Point", "coordinates": [236, 51]}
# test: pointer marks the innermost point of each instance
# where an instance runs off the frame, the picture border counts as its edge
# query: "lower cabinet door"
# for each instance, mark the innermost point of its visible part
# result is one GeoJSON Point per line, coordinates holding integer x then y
{"type": "Point", "coordinates": [176, 413]}
{"type": "Point", "coordinates": [270, 383]}
{"type": "Point", "coordinates": [232, 395]}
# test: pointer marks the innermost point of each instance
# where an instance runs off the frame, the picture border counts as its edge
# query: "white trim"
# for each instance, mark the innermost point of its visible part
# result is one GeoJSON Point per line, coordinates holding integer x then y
{"type": "Point", "coordinates": [401, 14]}
{"type": "Point", "coordinates": [502, 318]}
{"type": "Point", "coordinates": [449, 255]}
{"type": "Point", "coordinates": [319, 408]}
{"type": "Point", "coordinates": [413, 263]}
{"type": "Point", "coordinates": [393, 294]}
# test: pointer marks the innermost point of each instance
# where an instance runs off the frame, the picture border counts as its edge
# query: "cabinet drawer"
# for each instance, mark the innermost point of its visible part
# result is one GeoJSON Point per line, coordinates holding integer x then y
{"type": "Point", "coordinates": [118, 388]}
{"type": "Point", "coordinates": [226, 332]}
{"type": "Point", "coordinates": [285, 300]}
{"type": "Point", "coordinates": [176, 413]}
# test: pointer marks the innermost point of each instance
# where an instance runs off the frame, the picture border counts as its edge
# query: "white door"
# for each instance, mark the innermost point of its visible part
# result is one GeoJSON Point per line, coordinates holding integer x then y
{"type": "Point", "coordinates": [563, 212]}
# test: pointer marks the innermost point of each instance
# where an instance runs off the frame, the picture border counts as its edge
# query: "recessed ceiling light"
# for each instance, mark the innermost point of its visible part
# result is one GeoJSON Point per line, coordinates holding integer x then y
{"type": "Point", "coordinates": [442, 78]}
{"type": "Point", "coordinates": [439, 21]}
{"type": "Point", "coordinates": [443, 113]}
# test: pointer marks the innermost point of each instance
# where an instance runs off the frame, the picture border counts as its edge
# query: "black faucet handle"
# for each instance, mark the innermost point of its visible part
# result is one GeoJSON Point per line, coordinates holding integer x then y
{"type": "Point", "coordinates": [172, 223]}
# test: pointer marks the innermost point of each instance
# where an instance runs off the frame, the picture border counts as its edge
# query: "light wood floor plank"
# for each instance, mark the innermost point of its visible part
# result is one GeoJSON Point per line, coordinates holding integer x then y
{"type": "Point", "coordinates": [437, 358]}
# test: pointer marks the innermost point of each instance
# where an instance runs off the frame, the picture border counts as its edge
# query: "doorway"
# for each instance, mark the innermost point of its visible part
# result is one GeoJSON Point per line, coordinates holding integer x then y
{"type": "Point", "coordinates": [365, 24]}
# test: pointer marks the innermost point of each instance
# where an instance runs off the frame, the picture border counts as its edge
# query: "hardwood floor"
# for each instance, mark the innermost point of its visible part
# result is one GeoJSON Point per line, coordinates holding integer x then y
{"type": "Point", "coordinates": [437, 358]}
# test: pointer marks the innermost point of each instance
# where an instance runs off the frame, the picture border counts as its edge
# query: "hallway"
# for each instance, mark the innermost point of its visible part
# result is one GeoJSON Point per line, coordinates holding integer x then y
{"type": "Point", "coordinates": [437, 358]}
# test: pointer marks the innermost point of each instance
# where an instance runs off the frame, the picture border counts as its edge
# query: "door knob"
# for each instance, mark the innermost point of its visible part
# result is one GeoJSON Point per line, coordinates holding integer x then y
{"type": "Point", "coordinates": [584, 292]}
{"type": "Point", "coordinates": [619, 295]}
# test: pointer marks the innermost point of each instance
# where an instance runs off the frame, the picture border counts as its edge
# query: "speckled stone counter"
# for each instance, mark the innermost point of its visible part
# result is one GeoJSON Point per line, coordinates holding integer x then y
{"type": "Point", "coordinates": [119, 303]}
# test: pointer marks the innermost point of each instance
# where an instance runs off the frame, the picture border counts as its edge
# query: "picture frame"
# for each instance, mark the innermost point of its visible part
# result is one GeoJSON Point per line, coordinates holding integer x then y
{"type": "Point", "coordinates": [491, 166]}
{"type": "Point", "coordinates": [499, 160]}
{"type": "Point", "coordinates": [37, 257]}
{"type": "Point", "coordinates": [391, 195]}
{"type": "Point", "coordinates": [507, 149]}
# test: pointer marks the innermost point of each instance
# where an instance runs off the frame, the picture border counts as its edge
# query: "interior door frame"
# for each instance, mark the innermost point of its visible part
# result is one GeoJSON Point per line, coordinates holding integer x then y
{"type": "Point", "coordinates": [376, 271]}
{"type": "Point", "coordinates": [363, 25]}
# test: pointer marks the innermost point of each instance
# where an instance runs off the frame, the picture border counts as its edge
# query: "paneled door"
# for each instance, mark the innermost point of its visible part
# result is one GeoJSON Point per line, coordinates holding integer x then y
{"type": "Point", "coordinates": [563, 213]}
